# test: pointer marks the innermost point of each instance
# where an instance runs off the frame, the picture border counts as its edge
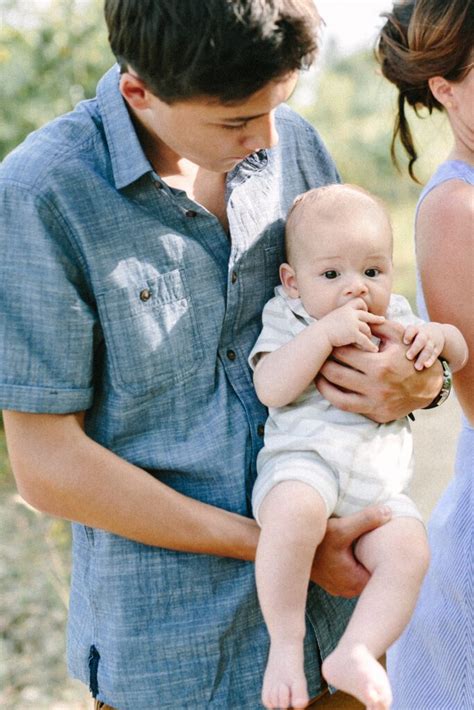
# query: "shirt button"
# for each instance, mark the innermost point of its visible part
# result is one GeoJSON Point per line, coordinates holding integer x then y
{"type": "Point", "coordinates": [145, 295]}
{"type": "Point", "coordinates": [191, 213]}
{"type": "Point", "coordinates": [231, 355]}
{"type": "Point", "coordinates": [261, 429]}
{"type": "Point", "coordinates": [233, 278]}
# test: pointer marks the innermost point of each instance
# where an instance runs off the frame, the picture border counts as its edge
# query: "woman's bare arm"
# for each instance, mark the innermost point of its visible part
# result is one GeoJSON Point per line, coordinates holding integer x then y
{"type": "Point", "coordinates": [445, 255]}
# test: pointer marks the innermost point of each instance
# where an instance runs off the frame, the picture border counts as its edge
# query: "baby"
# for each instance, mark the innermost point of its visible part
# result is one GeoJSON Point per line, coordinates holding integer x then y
{"type": "Point", "coordinates": [319, 461]}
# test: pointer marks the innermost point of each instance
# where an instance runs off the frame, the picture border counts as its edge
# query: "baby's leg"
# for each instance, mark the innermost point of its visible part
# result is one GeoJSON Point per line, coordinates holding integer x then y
{"type": "Point", "coordinates": [397, 556]}
{"type": "Point", "coordinates": [293, 519]}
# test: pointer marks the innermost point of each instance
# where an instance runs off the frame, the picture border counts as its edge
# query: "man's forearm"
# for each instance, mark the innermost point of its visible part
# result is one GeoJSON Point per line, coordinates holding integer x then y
{"type": "Point", "coordinates": [62, 472]}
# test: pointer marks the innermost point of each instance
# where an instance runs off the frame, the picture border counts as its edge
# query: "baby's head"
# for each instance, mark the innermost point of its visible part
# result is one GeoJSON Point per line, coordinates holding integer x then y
{"type": "Point", "coordinates": [338, 247]}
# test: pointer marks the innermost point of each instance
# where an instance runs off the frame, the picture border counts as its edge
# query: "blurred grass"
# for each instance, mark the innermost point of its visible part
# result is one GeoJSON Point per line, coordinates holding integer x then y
{"type": "Point", "coordinates": [34, 579]}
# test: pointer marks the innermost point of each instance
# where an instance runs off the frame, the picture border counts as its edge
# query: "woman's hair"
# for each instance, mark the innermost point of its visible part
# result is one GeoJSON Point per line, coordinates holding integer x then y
{"type": "Point", "coordinates": [227, 49]}
{"type": "Point", "coordinates": [422, 39]}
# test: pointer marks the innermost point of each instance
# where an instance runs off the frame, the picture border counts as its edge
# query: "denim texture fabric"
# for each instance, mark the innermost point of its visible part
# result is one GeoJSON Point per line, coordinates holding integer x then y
{"type": "Point", "coordinates": [123, 297]}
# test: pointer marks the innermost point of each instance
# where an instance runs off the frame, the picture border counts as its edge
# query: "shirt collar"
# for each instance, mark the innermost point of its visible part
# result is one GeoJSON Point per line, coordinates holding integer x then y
{"type": "Point", "coordinates": [129, 162]}
{"type": "Point", "coordinates": [295, 305]}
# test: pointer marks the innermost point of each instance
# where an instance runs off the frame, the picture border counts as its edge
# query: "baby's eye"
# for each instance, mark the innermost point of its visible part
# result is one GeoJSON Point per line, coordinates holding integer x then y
{"type": "Point", "coordinates": [371, 273]}
{"type": "Point", "coordinates": [330, 274]}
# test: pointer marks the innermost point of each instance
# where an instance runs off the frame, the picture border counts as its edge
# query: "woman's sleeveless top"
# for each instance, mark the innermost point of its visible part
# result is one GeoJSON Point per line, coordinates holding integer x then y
{"type": "Point", "coordinates": [431, 667]}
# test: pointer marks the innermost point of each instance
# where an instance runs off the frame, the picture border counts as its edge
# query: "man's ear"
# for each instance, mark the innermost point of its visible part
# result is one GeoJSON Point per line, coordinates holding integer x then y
{"type": "Point", "coordinates": [442, 90]}
{"type": "Point", "coordinates": [288, 280]}
{"type": "Point", "coordinates": [134, 91]}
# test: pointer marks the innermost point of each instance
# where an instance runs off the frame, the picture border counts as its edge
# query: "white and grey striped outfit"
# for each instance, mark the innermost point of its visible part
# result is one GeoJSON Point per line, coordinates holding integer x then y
{"type": "Point", "coordinates": [350, 460]}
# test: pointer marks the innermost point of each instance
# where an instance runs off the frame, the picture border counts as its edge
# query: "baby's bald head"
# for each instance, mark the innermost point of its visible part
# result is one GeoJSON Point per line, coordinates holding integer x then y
{"type": "Point", "coordinates": [315, 213]}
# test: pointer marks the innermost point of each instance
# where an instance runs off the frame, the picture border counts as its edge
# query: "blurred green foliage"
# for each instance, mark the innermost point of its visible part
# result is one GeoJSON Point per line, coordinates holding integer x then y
{"type": "Point", "coordinates": [34, 577]}
{"type": "Point", "coordinates": [52, 54]}
{"type": "Point", "coordinates": [34, 581]}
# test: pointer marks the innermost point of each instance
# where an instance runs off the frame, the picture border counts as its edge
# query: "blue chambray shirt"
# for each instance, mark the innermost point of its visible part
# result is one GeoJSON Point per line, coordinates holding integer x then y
{"type": "Point", "coordinates": [123, 297]}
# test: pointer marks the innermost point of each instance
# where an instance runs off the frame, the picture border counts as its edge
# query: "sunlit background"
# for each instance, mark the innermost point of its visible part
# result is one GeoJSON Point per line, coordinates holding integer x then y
{"type": "Point", "coordinates": [352, 24]}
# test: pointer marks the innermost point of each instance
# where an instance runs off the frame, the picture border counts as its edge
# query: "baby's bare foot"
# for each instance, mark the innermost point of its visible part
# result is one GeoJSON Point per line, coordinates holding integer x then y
{"type": "Point", "coordinates": [284, 683]}
{"type": "Point", "coordinates": [354, 670]}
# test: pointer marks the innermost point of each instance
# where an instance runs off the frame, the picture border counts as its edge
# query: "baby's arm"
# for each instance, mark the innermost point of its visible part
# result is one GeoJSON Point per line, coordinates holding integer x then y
{"type": "Point", "coordinates": [282, 375]}
{"type": "Point", "coordinates": [429, 340]}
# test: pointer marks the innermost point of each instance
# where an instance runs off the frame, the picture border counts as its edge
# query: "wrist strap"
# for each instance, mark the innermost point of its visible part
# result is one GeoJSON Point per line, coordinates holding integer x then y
{"type": "Point", "coordinates": [446, 386]}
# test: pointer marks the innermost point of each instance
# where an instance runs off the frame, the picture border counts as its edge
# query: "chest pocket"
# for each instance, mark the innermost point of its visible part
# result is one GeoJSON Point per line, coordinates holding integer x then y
{"type": "Point", "coordinates": [151, 335]}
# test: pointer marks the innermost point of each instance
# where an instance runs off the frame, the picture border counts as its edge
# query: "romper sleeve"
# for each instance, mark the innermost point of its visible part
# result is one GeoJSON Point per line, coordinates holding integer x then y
{"type": "Point", "coordinates": [47, 318]}
{"type": "Point", "coordinates": [276, 329]}
{"type": "Point", "coordinates": [399, 310]}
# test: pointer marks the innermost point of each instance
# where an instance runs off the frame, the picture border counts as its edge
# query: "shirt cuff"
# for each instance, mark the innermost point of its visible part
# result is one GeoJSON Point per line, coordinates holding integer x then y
{"type": "Point", "coordinates": [44, 400]}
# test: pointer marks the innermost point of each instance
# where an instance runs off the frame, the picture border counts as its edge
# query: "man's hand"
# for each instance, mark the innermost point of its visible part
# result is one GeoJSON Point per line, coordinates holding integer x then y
{"type": "Point", "coordinates": [335, 568]}
{"type": "Point", "coordinates": [383, 386]}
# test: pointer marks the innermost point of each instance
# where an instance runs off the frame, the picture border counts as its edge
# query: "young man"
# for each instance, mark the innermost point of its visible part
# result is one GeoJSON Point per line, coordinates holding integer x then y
{"type": "Point", "coordinates": [141, 236]}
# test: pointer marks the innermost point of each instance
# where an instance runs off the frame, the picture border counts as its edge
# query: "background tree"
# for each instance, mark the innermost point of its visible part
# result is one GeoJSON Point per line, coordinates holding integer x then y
{"type": "Point", "coordinates": [51, 56]}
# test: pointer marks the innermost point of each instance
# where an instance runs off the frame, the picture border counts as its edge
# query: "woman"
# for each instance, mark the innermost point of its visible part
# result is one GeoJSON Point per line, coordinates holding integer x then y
{"type": "Point", "coordinates": [426, 49]}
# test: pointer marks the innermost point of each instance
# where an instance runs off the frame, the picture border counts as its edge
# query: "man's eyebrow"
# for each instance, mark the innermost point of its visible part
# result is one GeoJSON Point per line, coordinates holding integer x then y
{"type": "Point", "coordinates": [241, 119]}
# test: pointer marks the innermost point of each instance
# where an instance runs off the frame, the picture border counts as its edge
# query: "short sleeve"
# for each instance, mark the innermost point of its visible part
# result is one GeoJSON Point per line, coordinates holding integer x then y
{"type": "Point", "coordinates": [276, 330]}
{"type": "Point", "coordinates": [47, 324]}
{"type": "Point", "coordinates": [400, 311]}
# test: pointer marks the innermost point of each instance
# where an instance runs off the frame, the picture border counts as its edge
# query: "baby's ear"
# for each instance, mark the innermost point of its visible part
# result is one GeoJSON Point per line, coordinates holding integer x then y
{"type": "Point", "coordinates": [288, 280]}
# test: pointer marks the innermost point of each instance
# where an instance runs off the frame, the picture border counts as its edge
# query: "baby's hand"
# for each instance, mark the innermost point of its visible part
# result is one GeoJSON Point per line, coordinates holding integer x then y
{"type": "Point", "coordinates": [349, 325]}
{"type": "Point", "coordinates": [426, 341]}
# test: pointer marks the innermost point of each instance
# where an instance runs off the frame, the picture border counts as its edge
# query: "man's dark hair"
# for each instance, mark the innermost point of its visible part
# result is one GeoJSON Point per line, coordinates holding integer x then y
{"type": "Point", "coordinates": [227, 49]}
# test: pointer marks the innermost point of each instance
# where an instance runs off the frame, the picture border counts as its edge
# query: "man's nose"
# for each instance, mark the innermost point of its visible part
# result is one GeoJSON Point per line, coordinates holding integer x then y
{"type": "Point", "coordinates": [262, 133]}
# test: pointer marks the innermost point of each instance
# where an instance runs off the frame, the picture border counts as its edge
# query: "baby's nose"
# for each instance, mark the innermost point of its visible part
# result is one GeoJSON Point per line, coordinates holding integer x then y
{"type": "Point", "coordinates": [357, 287]}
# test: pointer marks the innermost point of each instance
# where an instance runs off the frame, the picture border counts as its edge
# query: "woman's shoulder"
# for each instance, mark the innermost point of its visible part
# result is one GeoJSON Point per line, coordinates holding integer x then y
{"type": "Point", "coordinates": [443, 228]}
{"type": "Point", "coordinates": [447, 199]}
{"type": "Point", "coordinates": [451, 177]}
{"type": "Point", "coordinates": [448, 203]}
